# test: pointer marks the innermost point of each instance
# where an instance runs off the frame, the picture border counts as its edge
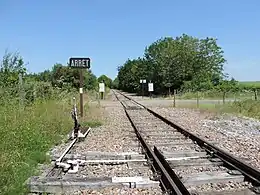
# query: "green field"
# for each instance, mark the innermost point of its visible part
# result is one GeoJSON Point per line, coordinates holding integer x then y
{"type": "Point", "coordinates": [249, 83]}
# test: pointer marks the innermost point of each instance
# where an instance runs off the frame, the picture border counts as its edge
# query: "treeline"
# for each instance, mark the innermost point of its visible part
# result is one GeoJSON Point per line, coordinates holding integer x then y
{"type": "Point", "coordinates": [183, 63]}
{"type": "Point", "coordinates": [64, 77]}
{"type": "Point", "coordinates": [46, 84]}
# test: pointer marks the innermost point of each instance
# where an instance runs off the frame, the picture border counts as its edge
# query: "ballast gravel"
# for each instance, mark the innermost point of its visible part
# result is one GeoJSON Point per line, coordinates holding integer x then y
{"type": "Point", "coordinates": [237, 135]}
{"type": "Point", "coordinates": [115, 135]}
{"type": "Point", "coordinates": [120, 191]}
{"type": "Point", "coordinates": [113, 170]}
{"type": "Point", "coordinates": [220, 187]}
{"type": "Point", "coordinates": [197, 169]}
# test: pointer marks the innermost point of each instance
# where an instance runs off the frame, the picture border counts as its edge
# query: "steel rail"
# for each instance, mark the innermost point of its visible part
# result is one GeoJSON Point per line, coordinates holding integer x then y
{"type": "Point", "coordinates": [168, 179]}
{"type": "Point", "coordinates": [251, 173]}
{"type": "Point", "coordinates": [66, 150]}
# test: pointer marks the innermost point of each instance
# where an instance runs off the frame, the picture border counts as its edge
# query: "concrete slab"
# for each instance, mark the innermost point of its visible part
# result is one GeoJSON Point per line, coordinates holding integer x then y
{"type": "Point", "coordinates": [59, 186]}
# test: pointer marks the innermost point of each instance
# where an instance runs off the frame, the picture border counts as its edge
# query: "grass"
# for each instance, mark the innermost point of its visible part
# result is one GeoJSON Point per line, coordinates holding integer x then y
{"type": "Point", "coordinates": [91, 123]}
{"type": "Point", "coordinates": [213, 95]}
{"type": "Point", "coordinates": [257, 83]}
{"type": "Point", "coordinates": [249, 108]}
{"type": "Point", "coordinates": [27, 135]}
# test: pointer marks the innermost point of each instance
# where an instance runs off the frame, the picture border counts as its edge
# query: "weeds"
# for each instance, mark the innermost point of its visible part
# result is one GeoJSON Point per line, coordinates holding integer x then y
{"type": "Point", "coordinates": [25, 138]}
{"type": "Point", "coordinates": [27, 134]}
{"type": "Point", "coordinates": [250, 108]}
{"type": "Point", "coordinates": [91, 124]}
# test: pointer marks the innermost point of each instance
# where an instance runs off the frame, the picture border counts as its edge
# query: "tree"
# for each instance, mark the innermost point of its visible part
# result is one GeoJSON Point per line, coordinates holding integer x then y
{"type": "Point", "coordinates": [10, 67]}
{"type": "Point", "coordinates": [64, 76]}
{"type": "Point", "coordinates": [90, 80]}
{"type": "Point", "coordinates": [171, 63]}
{"type": "Point", "coordinates": [115, 83]}
{"type": "Point", "coordinates": [106, 80]}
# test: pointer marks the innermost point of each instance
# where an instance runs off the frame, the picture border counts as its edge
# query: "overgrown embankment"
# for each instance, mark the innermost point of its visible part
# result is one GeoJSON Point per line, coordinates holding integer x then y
{"type": "Point", "coordinates": [26, 136]}
{"type": "Point", "coordinates": [34, 116]}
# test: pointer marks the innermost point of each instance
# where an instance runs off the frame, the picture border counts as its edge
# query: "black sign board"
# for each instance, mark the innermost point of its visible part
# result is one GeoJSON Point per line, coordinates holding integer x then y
{"type": "Point", "coordinates": [79, 63]}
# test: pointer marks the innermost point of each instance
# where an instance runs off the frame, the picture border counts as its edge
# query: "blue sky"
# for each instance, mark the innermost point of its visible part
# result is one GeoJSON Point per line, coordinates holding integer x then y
{"type": "Point", "coordinates": [109, 32]}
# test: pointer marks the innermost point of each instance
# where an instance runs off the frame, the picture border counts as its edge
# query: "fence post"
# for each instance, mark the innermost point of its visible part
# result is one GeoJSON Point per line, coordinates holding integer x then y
{"type": "Point", "coordinates": [21, 90]}
{"type": "Point", "coordinates": [198, 99]}
{"type": "Point", "coordinates": [224, 96]}
{"type": "Point", "coordinates": [174, 98]}
{"type": "Point", "coordinates": [255, 92]}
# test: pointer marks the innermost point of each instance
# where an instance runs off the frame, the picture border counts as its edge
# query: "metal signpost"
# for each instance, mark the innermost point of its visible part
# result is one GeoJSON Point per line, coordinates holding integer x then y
{"type": "Point", "coordinates": [150, 88]}
{"type": "Point", "coordinates": [142, 81]}
{"type": "Point", "coordinates": [80, 63]}
{"type": "Point", "coordinates": [102, 89]}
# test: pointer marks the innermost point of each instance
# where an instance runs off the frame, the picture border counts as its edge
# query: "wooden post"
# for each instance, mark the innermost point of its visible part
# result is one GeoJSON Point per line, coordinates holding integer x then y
{"type": "Point", "coordinates": [81, 91]}
{"type": "Point", "coordinates": [142, 90]}
{"type": "Point", "coordinates": [21, 91]}
{"type": "Point", "coordinates": [224, 96]}
{"type": "Point", "coordinates": [174, 98]}
{"type": "Point", "coordinates": [255, 92]}
{"type": "Point", "coordinates": [80, 63]}
{"type": "Point", "coordinates": [198, 93]}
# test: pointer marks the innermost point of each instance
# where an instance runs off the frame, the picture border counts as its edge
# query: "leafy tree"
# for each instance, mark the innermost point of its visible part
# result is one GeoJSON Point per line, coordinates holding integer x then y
{"type": "Point", "coordinates": [173, 63]}
{"type": "Point", "coordinates": [90, 80]}
{"type": "Point", "coordinates": [12, 64]}
{"type": "Point", "coordinates": [66, 77]}
{"type": "Point", "coordinates": [115, 83]}
{"type": "Point", "coordinates": [45, 76]}
{"type": "Point", "coordinates": [106, 80]}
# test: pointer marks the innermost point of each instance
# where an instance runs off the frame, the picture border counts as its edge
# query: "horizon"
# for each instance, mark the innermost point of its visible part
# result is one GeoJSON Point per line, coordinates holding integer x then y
{"type": "Point", "coordinates": [46, 33]}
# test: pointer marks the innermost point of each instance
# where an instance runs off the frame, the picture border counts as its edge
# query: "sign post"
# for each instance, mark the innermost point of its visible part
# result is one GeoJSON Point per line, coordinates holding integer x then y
{"type": "Point", "coordinates": [150, 88]}
{"type": "Point", "coordinates": [80, 63]}
{"type": "Point", "coordinates": [142, 85]}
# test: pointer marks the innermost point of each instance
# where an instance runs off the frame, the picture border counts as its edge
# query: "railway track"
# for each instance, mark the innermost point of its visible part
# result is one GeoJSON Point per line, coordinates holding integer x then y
{"type": "Point", "coordinates": [190, 165]}
{"type": "Point", "coordinates": [96, 165]}
{"type": "Point", "coordinates": [155, 157]}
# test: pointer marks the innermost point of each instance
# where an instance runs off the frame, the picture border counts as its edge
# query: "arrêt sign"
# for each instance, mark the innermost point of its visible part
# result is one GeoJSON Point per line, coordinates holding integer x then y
{"type": "Point", "coordinates": [79, 63]}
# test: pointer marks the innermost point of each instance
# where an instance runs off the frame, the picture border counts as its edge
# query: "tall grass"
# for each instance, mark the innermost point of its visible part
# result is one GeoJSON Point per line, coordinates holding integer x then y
{"type": "Point", "coordinates": [26, 135]}
{"type": "Point", "coordinates": [248, 108]}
